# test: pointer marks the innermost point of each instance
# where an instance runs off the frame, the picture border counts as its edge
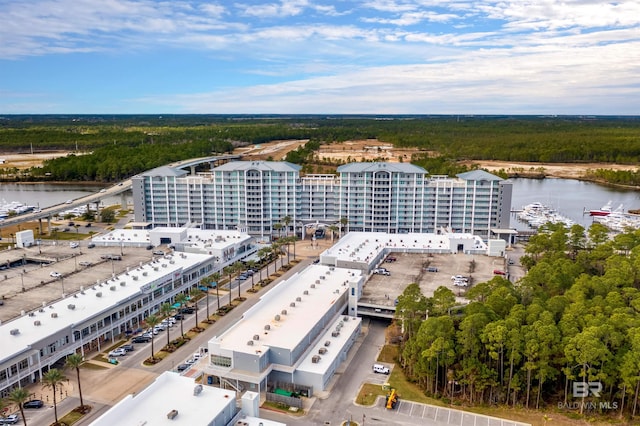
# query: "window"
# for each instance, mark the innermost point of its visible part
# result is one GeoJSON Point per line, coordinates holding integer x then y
{"type": "Point", "coordinates": [222, 361]}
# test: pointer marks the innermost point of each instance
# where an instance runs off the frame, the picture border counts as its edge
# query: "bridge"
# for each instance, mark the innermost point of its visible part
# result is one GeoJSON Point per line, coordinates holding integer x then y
{"type": "Point", "coordinates": [95, 198]}
{"type": "Point", "coordinates": [372, 310]}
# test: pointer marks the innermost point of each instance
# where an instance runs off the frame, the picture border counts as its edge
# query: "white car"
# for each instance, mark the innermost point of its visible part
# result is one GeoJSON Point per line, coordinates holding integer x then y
{"type": "Point", "coordinates": [381, 271]}
{"type": "Point", "coordinates": [55, 274]}
{"type": "Point", "coordinates": [74, 245]}
{"type": "Point", "coordinates": [118, 352]}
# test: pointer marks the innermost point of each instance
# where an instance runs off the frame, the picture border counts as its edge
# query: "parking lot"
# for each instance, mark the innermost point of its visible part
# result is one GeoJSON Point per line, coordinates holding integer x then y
{"type": "Point", "coordinates": [431, 271]}
{"type": "Point", "coordinates": [49, 271]}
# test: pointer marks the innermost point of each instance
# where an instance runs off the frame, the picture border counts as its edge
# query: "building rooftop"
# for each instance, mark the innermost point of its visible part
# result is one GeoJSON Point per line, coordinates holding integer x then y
{"type": "Point", "coordinates": [380, 166]}
{"type": "Point", "coordinates": [277, 323]}
{"type": "Point", "coordinates": [164, 171]}
{"type": "Point", "coordinates": [170, 391]}
{"type": "Point", "coordinates": [329, 345]}
{"type": "Point", "coordinates": [20, 333]}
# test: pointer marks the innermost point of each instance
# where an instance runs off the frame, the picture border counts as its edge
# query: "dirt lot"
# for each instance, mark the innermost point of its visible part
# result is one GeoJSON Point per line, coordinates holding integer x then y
{"type": "Point", "coordinates": [25, 161]}
{"type": "Point", "coordinates": [372, 149]}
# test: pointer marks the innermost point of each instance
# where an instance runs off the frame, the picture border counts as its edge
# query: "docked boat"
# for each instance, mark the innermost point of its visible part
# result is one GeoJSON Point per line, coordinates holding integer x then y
{"type": "Point", "coordinates": [602, 211]}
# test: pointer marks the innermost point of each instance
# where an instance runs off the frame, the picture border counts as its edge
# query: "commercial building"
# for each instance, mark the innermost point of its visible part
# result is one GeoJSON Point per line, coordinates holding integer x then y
{"type": "Point", "coordinates": [254, 196]}
{"type": "Point", "coordinates": [177, 400]}
{"type": "Point", "coordinates": [101, 311]}
{"type": "Point", "coordinates": [294, 338]}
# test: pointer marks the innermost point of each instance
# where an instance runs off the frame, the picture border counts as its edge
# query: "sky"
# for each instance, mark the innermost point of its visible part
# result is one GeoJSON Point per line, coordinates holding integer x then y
{"type": "Point", "coordinates": [577, 57]}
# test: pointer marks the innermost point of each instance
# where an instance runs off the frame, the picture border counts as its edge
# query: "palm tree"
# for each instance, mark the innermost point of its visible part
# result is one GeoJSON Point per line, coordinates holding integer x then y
{"type": "Point", "coordinates": [264, 253]}
{"type": "Point", "coordinates": [74, 361]}
{"type": "Point", "coordinates": [52, 379]}
{"type": "Point", "coordinates": [205, 282]}
{"type": "Point", "coordinates": [165, 311]}
{"type": "Point", "coordinates": [278, 227]}
{"type": "Point", "coordinates": [216, 278]}
{"type": "Point", "coordinates": [195, 294]}
{"type": "Point", "coordinates": [343, 222]}
{"type": "Point", "coordinates": [181, 299]}
{"type": "Point", "coordinates": [251, 264]}
{"type": "Point", "coordinates": [333, 229]}
{"type": "Point", "coordinates": [19, 396]}
{"type": "Point", "coordinates": [275, 251]}
{"type": "Point", "coordinates": [238, 266]}
{"type": "Point", "coordinates": [229, 271]}
{"type": "Point", "coordinates": [286, 221]}
{"type": "Point", "coordinates": [152, 321]}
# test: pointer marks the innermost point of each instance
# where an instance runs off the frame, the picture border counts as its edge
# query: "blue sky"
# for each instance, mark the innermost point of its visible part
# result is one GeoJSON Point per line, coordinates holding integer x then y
{"type": "Point", "coordinates": [320, 56]}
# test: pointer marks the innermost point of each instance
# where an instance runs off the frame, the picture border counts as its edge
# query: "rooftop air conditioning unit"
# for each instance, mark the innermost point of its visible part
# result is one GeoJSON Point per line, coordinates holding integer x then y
{"type": "Point", "coordinates": [164, 265]}
{"type": "Point", "coordinates": [256, 337]}
{"type": "Point", "coordinates": [40, 310]}
{"type": "Point", "coordinates": [306, 292]}
{"type": "Point", "coordinates": [345, 319]}
{"type": "Point", "coordinates": [99, 294]}
{"type": "Point", "coordinates": [32, 314]}
{"type": "Point", "coordinates": [268, 327]}
{"type": "Point", "coordinates": [313, 286]}
{"type": "Point", "coordinates": [284, 312]}
{"type": "Point", "coordinates": [14, 332]}
{"type": "Point", "coordinates": [322, 351]}
{"type": "Point", "coordinates": [145, 273]}
{"type": "Point", "coordinates": [54, 315]}
{"type": "Point", "coordinates": [172, 262]}
{"type": "Point", "coordinates": [112, 288]}
{"type": "Point", "coordinates": [315, 359]}
{"type": "Point", "coordinates": [122, 283]}
{"type": "Point", "coordinates": [250, 343]}
{"type": "Point", "coordinates": [317, 281]}
{"type": "Point", "coordinates": [322, 277]}
{"type": "Point", "coordinates": [292, 304]}
{"type": "Point", "coordinates": [298, 299]}
{"type": "Point", "coordinates": [172, 414]}
{"type": "Point", "coordinates": [71, 306]}
{"type": "Point", "coordinates": [155, 268]}
{"type": "Point", "coordinates": [335, 333]}
{"type": "Point", "coordinates": [37, 323]}
{"type": "Point", "coordinates": [332, 268]}
{"type": "Point", "coordinates": [327, 343]}
{"type": "Point", "coordinates": [135, 278]}
{"type": "Point", "coordinates": [197, 390]}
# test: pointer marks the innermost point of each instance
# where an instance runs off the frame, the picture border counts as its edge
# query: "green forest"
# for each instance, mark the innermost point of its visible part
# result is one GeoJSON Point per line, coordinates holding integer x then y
{"type": "Point", "coordinates": [574, 317]}
{"type": "Point", "coordinates": [109, 148]}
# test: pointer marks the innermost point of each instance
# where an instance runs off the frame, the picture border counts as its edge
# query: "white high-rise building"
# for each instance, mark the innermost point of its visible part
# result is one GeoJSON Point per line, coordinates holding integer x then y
{"type": "Point", "coordinates": [255, 196]}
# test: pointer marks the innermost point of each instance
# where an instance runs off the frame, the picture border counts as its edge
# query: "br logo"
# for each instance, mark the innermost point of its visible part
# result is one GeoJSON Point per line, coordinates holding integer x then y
{"type": "Point", "coordinates": [584, 389]}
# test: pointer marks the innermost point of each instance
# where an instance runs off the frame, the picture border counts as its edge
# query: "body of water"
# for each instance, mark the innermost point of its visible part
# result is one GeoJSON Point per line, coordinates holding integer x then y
{"type": "Point", "coordinates": [45, 194]}
{"type": "Point", "coordinates": [570, 198]}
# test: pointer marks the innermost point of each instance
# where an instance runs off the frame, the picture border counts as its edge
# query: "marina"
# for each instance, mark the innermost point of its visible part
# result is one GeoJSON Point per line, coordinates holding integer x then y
{"type": "Point", "coordinates": [537, 214]}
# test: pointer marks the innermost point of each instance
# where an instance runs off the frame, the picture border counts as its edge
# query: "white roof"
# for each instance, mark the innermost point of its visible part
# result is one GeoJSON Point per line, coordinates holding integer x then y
{"type": "Point", "coordinates": [365, 246]}
{"type": "Point", "coordinates": [346, 325]}
{"type": "Point", "coordinates": [60, 316]}
{"type": "Point", "coordinates": [292, 327]}
{"type": "Point", "coordinates": [170, 391]}
{"type": "Point", "coordinates": [213, 239]}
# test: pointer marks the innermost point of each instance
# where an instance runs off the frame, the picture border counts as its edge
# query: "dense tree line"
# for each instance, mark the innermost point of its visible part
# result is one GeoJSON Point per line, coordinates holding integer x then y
{"type": "Point", "coordinates": [520, 138]}
{"type": "Point", "coordinates": [574, 317]}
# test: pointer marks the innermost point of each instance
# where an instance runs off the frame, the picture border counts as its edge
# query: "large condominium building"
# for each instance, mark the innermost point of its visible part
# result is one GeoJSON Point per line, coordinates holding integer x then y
{"type": "Point", "coordinates": [254, 196]}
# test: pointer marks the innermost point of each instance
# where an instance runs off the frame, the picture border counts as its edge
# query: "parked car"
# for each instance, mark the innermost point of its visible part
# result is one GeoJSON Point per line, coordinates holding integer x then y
{"type": "Point", "coordinates": [74, 245]}
{"type": "Point", "coordinates": [499, 272]}
{"type": "Point", "coordinates": [381, 271]}
{"type": "Point", "coordinates": [9, 420]}
{"type": "Point", "coordinates": [90, 245]}
{"type": "Point", "coordinates": [431, 269]}
{"type": "Point", "coordinates": [128, 347]}
{"type": "Point", "coordinates": [158, 253]}
{"type": "Point", "coordinates": [178, 316]}
{"type": "Point", "coordinates": [55, 274]}
{"type": "Point", "coordinates": [391, 259]}
{"type": "Point", "coordinates": [85, 263]}
{"type": "Point", "coordinates": [150, 247]}
{"type": "Point", "coordinates": [117, 352]}
{"type": "Point", "coordinates": [34, 403]}
{"type": "Point", "coordinates": [140, 339]}
{"type": "Point", "coordinates": [182, 367]}
{"type": "Point", "coordinates": [187, 310]}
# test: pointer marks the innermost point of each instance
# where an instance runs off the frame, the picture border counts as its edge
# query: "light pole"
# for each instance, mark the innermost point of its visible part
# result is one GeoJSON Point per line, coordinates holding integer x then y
{"type": "Point", "coordinates": [22, 279]}
{"type": "Point", "coordinates": [62, 281]}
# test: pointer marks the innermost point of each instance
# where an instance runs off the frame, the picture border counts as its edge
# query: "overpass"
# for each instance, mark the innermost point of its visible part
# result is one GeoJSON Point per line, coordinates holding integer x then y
{"type": "Point", "coordinates": [95, 198]}
{"type": "Point", "coordinates": [372, 310]}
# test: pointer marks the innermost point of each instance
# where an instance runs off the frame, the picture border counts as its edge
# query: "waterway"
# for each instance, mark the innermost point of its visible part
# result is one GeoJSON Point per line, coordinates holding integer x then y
{"type": "Point", "coordinates": [46, 194]}
{"type": "Point", "coordinates": [568, 196]}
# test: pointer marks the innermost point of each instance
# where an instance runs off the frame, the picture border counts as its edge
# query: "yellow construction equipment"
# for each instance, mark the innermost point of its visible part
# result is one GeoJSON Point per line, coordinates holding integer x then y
{"type": "Point", "coordinates": [392, 399]}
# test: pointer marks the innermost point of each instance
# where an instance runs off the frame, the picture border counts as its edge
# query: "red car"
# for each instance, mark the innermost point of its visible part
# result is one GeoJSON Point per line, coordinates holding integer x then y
{"type": "Point", "coordinates": [499, 272]}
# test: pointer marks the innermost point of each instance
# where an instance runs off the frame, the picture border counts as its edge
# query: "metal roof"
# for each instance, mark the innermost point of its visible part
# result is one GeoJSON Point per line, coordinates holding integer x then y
{"type": "Point", "coordinates": [380, 166]}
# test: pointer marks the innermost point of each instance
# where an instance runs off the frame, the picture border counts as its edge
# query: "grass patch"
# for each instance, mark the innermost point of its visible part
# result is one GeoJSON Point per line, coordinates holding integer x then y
{"type": "Point", "coordinates": [92, 366]}
{"type": "Point", "coordinates": [369, 393]}
{"type": "Point", "coordinates": [281, 408]}
{"type": "Point", "coordinates": [71, 417]}
{"type": "Point", "coordinates": [389, 353]}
